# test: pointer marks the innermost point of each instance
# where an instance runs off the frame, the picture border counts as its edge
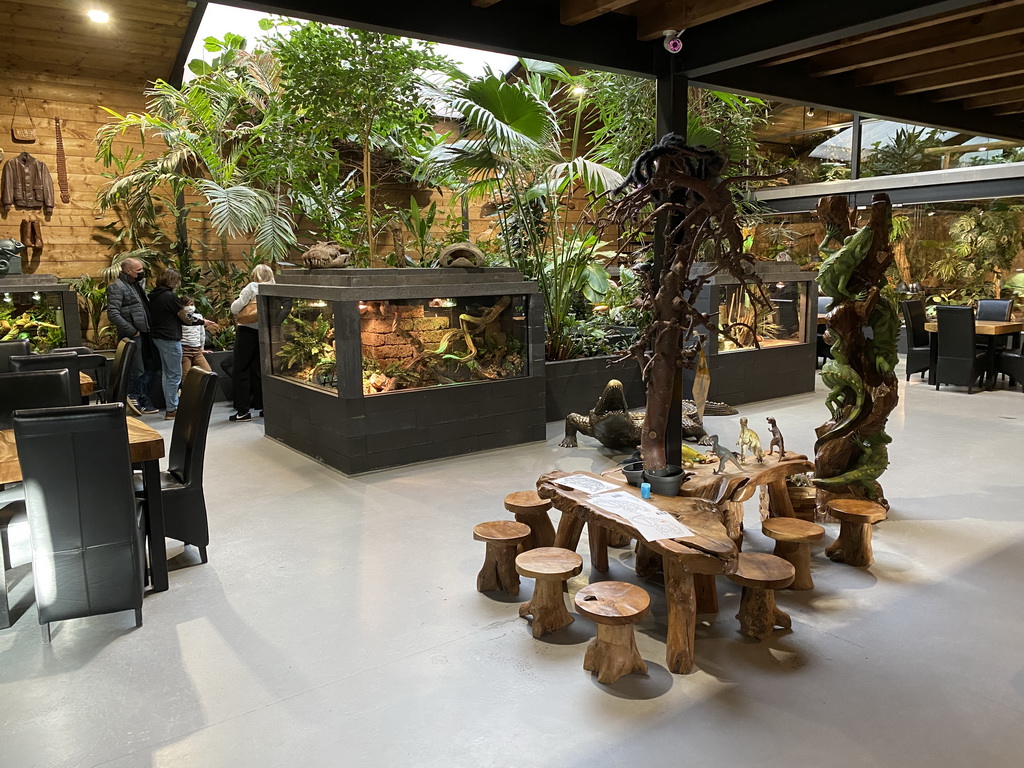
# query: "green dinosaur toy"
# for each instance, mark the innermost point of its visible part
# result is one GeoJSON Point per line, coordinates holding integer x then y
{"type": "Point", "coordinates": [836, 271]}
{"type": "Point", "coordinates": [869, 467]}
{"type": "Point", "coordinates": [692, 456]}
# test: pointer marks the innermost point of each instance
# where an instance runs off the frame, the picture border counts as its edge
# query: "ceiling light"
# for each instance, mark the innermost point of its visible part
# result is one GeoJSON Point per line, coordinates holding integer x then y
{"type": "Point", "coordinates": [100, 17]}
{"type": "Point", "coordinates": [982, 148]}
{"type": "Point", "coordinates": [579, 91]}
{"type": "Point", "coordinates": [810, 111]}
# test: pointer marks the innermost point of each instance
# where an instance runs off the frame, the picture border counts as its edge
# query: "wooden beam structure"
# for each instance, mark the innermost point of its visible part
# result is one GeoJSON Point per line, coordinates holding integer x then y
{"type": "Point", "coordinates": [653, 18]}
{"type": "Point", "coordinates": [577, 11]}
{"type": "Point", "coordinates": [982, 88]}
{"type": "Point", "coordinates": [989, 72]}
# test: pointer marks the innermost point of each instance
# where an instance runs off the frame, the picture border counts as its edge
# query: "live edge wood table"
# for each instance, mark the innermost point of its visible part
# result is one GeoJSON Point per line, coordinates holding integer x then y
{"type": "Point", "coordinates": [708, 552]}
{"type": "Point", "coordinates": [146, 447]}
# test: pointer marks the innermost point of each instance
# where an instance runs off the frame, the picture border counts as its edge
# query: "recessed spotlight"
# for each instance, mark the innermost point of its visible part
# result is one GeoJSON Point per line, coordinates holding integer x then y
{"type": "Point", "coordinates": [100, 17]}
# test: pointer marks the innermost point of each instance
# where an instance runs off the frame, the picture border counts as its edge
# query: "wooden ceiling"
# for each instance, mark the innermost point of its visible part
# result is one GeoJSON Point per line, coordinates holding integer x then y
{"type": "Point", "coordinates": [55, 39]}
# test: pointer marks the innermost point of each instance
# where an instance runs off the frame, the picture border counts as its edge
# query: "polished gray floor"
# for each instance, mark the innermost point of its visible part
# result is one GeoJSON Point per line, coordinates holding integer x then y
{"type": "Point", "coordinates": [337, 624]}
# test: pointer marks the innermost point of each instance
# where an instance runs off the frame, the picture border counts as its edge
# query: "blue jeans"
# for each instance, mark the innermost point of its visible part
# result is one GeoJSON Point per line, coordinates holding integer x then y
{"type": "Point", "coordinates": [170, 361]}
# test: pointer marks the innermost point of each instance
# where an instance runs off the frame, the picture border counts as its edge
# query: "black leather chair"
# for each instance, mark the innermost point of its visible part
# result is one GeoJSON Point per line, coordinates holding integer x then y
{"type": "Point", "coordinates": [120, 378]}
{"type": "Point", "coordinates": [994, 309]}
{"type": "Point", "coordinates": [86, 525]}
{"type": "Point", "coordinates": [959, 361]}
{"type": "Point", "coordinates": [50, 362]}
{"type": "Point", "coordinates": [10, 348]}
{"type": "Point", "coordinates": [12, 519]}
{"type": "Point", "coordinates": [95, 364]}
{"type": "Point", "coordinates": [1011, 363]}
{"type": "Point", "coordinates": [918, 345]}
{"type": "Point", "coordinates": [33, 389]}
{"type": "Point", "coordinates": [823, 351]}
{"type": "Point", "coordinates": [181, 485]}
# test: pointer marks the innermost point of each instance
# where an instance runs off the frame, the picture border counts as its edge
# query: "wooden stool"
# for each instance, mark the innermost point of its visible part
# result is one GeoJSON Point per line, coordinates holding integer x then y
{"type": "Point", "coordinates": [615, 607]}
{"type": "Point", "coordinates": [530, 509]}
{"type": "Point", "coordinates": [855, 516]}
{"type": "Point", "coordinates": [793, 538]}
{"type": "Point", "coordinates": [760, 575]}
{"type": "Point", "coordinates": [550, 566]}
{"type": "Point", "coordinates": [499, 572]}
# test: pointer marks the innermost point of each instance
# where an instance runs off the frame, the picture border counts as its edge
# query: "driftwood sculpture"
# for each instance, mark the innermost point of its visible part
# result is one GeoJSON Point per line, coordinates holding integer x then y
{"type": "Point", "coordinates": [680, 190]}
{"type": "Point", "coordinates": [851, 451]}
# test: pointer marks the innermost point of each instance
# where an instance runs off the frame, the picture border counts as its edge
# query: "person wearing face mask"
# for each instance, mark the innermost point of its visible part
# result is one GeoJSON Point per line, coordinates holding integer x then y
{"type": "Point", "coordinates": [128, 312]}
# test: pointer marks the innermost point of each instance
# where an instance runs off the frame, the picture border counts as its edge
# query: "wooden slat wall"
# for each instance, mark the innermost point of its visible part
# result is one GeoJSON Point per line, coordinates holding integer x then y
{"type": "Point", "coordinates": [70, 233]}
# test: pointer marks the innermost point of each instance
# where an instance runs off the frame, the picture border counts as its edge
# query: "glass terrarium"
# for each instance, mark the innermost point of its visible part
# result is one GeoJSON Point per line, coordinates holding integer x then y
{"type": "Point", "coordinates": [304, 349]}
{"type": "Point", "coordinates": [35, 316]}
{"type": "Point", "coordinates": [780, 325]}
{"type": "Point", "coordinates": [417, 343]}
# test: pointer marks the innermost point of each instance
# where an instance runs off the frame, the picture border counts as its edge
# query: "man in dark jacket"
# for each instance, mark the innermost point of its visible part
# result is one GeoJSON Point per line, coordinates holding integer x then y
{"type": "Point", "coordinates": [128, 312]}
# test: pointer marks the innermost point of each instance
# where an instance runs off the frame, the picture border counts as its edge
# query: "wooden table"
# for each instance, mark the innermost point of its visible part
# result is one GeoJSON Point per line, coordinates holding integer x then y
{"type": "Point", "coordinates": [86, 383]}
{"type": "Point", "coordinates": [990, 329]}
{"type": "Point", "coordinates": [146, 448]}
{"type": "Point", "coordinates": [731, 488]}
{"type": "Point", "coordinates": [689, 563]}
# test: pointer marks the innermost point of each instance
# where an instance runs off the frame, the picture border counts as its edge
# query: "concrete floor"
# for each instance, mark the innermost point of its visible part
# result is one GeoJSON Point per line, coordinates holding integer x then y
{"type": "Point", "coordinates": [337, 624]}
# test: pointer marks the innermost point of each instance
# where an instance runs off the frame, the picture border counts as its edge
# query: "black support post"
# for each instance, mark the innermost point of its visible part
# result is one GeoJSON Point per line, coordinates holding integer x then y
{"type": "Point", "coordinates": [855, 144]}
{"type": "Point", "coordinates": [671, 118]}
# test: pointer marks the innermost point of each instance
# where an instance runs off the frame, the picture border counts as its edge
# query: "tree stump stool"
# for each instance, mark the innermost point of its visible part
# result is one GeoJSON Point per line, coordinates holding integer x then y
{"type": "Point", "coordinates": [530, 509]}
{"type": "Point", "coordinates": [551, 567]}
{"type": "Point", "coordinates": [499, 571]}
{"type": "Point", "coordinates": [760, 575]}
{"type": "Point", "coordinates": [856, 517]}
{"type": "Point", "coordinates": [793, 538]}
{"type": "Point", "coordinates": [615, 607]}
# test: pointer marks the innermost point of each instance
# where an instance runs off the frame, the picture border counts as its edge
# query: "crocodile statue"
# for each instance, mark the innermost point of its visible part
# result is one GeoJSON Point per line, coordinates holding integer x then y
{"type": "Point", "coordinates": [616, 427]}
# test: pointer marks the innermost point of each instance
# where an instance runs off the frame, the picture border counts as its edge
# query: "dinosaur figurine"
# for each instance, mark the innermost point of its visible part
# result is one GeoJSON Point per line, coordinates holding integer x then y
{"type": "Point", "coordinates": [749, 439]}
{"type": "Point", "coordinates": [723, 454]}
{"type": "Point", "coordinates": [692, 456]}
{"type": "Point", "coordinates": [835, 272]}
{"type": "Point", "coordinates": [777, 439]}
{"type": "Point", "coordinates": [616, 427]}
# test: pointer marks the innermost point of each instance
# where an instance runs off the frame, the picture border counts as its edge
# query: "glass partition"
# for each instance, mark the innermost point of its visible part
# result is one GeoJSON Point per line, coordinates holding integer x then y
{"type": "Point", "coordinates": [779, 326]}
{"type": "Point", "coordinates": [302, 346]}
{"type": "Point", "coordinates": [36, 316]}
{"type": "Point", "coordinates": [417, 343]}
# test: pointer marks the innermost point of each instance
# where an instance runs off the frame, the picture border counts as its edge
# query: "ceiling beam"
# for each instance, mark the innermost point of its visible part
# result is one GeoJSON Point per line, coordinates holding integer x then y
{"type": "Point", "coordinates": [528, 28]}
{"type": "Point", "coordinates": [1015, 108]}
{"type": "Point", "coordinates": [892, 31]}
{"type": "Point", "coordinates": [995, 99]}
{"type": "Point", "coordinates": [790, 83]}
{"type": "Point", "coordinates": [686, 14]}
{"type": "Point", "coordinates": [942, 61]}
{"type": "Point", "coordinates": [577, 11]}
{"type": "Point", "coordinates": [983, 87]}
{"type": "Point", "coordinates": [778, 29]}
{"type": "Point", "coordinates": [989, 26]}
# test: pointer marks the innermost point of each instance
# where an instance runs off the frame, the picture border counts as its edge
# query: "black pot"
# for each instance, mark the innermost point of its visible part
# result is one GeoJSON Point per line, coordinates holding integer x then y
{"type": "Point", "coordinates": [634, 472]}
{"type": "Point", "coordinates": [666, 482]}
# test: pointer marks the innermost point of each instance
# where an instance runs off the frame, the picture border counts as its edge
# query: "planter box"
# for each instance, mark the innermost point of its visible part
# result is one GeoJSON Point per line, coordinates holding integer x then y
{"type": "Point", "coordinates": [573, 386]}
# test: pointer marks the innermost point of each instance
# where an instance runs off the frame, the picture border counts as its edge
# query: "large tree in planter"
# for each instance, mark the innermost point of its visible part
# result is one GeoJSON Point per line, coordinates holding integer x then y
{"type": "Point", "coordinates": [361, 88]}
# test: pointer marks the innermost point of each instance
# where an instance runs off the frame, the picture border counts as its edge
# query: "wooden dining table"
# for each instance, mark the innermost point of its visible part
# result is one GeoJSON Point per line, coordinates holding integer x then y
{"type": "Point", "coordinates": [146, 447]}
{"type": "Point", "coordinates": [989, 329]}
{"type": "Point", "coordinates": [86, 384]}
{"type": "Point", "coordinates": [690, 563]}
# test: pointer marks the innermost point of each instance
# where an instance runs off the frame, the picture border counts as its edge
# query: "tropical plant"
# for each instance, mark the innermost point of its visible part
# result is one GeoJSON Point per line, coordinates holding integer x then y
{"type": "Point", "coordinates": [988, 239]}
{"type": "Point", "coordinates": [92, 299]}
{"type": "Point", "coordinates": [904, 152]}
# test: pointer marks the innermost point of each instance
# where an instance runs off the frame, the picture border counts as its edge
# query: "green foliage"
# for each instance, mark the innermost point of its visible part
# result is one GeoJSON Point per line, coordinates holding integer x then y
{"type": "Point", "coordinates": [904, 153]}
{"type": "Point", "coordinates": [309, 343]}
{"type": "Point", "coordinates": [36, 324]}
{"type": "Point", "coordinates": [92, 299]}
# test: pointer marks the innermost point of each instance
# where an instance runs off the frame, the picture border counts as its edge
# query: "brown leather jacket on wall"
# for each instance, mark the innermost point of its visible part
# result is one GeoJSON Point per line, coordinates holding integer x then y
{"type": "Point", "coordinates": [26, 183]}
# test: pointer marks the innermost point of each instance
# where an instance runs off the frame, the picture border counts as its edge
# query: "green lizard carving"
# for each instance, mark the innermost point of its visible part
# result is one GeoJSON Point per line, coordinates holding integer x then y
{"type": "Point", "coordinates": [885, 328]}
{"type": "Point", "coordinates": [836, 270]}
{"type": "Point", "coordinates": [842, 381]}
{"type": "Point", "coordinates": [869, 467]}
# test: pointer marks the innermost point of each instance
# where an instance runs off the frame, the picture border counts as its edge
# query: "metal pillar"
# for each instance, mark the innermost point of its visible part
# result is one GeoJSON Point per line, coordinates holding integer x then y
{"type": "Point", "coordinates": [855, 144]}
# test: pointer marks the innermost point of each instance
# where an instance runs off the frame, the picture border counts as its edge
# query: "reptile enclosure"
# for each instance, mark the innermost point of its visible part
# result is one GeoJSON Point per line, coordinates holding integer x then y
{"type": "Point", "coordinates": [373, 368]}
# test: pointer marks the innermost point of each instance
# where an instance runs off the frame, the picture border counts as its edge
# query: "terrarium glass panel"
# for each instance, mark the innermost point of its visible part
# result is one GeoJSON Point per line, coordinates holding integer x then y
{"type": "Point", "coordinates": [780, 326]}
{"type": "Point", "coordinates": [417, 343]}
{"type": "Point", "coordinates": [32, 315]}
{"type": "Point", "coordinates": [302, 341]}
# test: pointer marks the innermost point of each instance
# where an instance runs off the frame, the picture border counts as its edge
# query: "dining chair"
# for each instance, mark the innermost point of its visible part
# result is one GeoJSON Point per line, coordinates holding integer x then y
{"type": "Point", "coordinates": [53, 361]}
{"type": "Point", "coordinates": [1011, 363]}
{"type": "Point", "coordinates": [918, 346]}
{"type": "Point", "coordinates": [181, 486]}
{"type": "Point", "coordinates": [12, 519]}
{"type": "Point", "coordinates": [959, 362]}
{"type": "Point", "coordinates": [10, 348]}
{"type": "Point", "coordinates": [86, 526]}
{"type": "Point", "coordinates": [120, 378]}
{"type": "Point", "coordinates": [994, 309]}
{"type": "Point", "coordinates": [95, 365]}
{"type": "Point", "coordinates": [33, 389]}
